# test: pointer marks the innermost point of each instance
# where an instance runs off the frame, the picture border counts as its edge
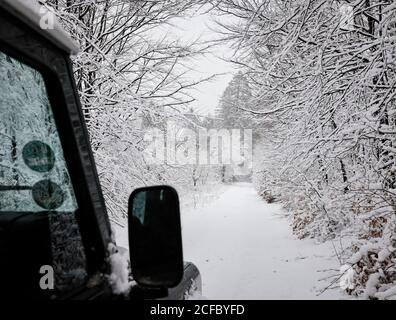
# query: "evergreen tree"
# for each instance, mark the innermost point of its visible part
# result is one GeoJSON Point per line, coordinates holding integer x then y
{"type": "Point", "coordinates": [234, 101]}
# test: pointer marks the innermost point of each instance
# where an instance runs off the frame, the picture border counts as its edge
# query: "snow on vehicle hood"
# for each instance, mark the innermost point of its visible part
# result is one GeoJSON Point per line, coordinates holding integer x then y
{"type": "Point", "coordinates": [44, 20]}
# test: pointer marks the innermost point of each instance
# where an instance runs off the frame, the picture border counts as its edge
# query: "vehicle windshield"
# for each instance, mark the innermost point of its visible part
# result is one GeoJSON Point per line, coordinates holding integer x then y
{"type": "Point", "coordinates": [33, 172]}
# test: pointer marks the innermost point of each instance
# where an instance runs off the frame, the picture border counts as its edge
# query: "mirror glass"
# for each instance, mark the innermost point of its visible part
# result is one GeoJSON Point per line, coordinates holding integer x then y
{"type": "Point", "coordinates": [155, 237]}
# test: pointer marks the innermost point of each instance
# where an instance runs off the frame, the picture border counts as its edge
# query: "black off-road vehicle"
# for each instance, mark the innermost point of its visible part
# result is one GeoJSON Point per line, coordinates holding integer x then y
{"type": "Point", "coordinates": [55, 235]}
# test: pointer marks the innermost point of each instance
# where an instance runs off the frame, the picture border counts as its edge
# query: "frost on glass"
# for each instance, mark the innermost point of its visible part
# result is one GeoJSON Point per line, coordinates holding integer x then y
{"type": "Point", "coordinates": [26, 116]}
{"type": "Point", "coordinates": [67, 252]}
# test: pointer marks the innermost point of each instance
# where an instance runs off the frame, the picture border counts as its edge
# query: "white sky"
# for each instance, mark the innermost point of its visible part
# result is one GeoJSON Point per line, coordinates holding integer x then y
{"type": "Point", "coordinates": [207, 94]}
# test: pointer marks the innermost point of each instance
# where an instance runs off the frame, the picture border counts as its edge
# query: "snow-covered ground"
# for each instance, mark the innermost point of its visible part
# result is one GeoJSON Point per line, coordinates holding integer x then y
{"type": "Point", "coordinates": [245, 249]}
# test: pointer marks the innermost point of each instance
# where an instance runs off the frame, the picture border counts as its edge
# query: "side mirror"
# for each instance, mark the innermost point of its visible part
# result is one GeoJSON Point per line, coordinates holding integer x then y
{"type": "Point", "coordinates": [155, 239]}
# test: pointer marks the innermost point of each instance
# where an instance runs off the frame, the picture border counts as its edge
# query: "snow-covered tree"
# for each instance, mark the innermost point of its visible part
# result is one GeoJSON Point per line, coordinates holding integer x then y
{"type": "Point", "coordinates": [129, 72]}
{"type": "Point", "coordinates": [234, 101]}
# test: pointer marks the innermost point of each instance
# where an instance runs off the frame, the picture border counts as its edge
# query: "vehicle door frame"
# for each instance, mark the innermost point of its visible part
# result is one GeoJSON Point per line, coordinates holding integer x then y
{"type": "Point", "coordinates": [24, 42]}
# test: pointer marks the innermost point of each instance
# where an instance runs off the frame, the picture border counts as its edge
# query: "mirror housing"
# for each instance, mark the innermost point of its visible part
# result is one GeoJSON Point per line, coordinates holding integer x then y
{"type": "Point", "coordinates": [155, 240]}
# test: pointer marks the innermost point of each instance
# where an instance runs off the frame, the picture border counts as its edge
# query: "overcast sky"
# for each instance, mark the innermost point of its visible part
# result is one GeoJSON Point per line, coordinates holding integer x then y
{"type": "Point", "coordinates": [208, 94]}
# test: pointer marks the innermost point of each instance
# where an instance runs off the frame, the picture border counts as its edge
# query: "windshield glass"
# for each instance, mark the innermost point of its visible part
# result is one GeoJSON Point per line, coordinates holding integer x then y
{"type": "Point", "coordinates": [33, 172]}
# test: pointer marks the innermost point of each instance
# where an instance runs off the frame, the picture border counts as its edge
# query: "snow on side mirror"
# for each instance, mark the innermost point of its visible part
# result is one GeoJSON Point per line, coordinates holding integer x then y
{"type": "Point", "coordinates": [155, 239]}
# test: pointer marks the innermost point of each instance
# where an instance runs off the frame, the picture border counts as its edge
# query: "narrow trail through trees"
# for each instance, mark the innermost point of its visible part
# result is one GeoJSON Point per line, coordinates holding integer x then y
{"type": "Point", "coordinates": [245, 249]}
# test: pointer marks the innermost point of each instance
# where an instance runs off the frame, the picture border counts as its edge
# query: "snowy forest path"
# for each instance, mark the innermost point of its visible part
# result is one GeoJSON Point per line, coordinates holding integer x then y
{"type": "Point", "coordinates": [245, 249]}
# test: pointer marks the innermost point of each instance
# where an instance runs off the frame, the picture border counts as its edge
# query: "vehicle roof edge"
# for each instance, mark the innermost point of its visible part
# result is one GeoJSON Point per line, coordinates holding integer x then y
{"type": "Point", "coordinates": [32, 12]}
